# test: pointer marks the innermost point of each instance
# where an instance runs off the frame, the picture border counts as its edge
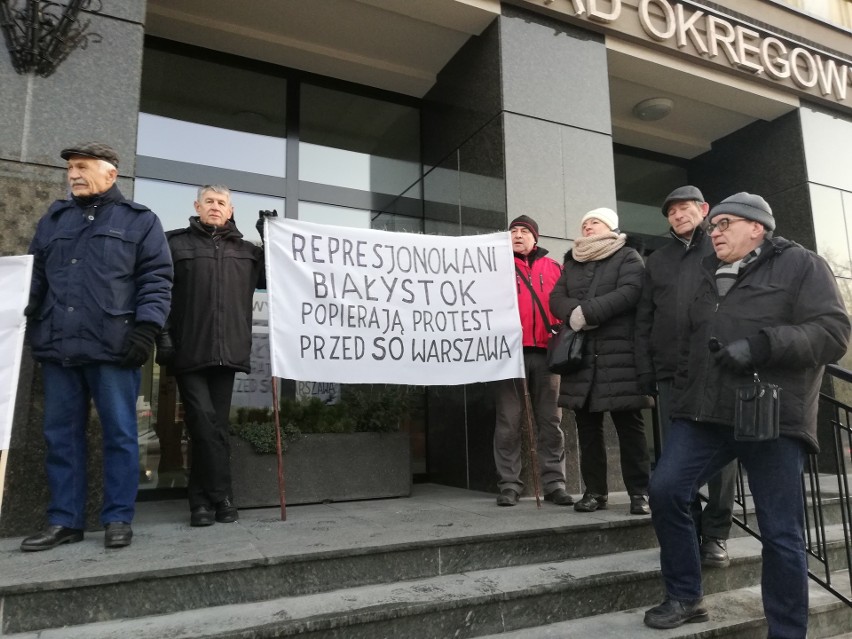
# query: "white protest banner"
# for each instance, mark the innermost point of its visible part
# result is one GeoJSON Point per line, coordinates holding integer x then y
{"type": "Point", "coordinates": [361, 306]}
{"type": "Point", "coordinates": [15, 274]}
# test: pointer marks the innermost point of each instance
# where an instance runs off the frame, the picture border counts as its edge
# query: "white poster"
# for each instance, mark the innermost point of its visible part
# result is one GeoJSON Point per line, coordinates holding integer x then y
{"type": "Point", "coordinates": [361, 306]}
{"type": "Point", "coordinates": [15, 274]}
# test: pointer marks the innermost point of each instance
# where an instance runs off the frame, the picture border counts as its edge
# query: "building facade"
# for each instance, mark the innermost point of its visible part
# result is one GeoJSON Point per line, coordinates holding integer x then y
{"type": "Point", "coordinates": [439, 116]}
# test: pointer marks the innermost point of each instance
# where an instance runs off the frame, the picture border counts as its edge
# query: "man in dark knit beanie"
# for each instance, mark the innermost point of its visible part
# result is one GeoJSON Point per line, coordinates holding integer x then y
{"type": "Point", "coordinates": [536, 275]}
{"type": "Point", "coordinates": [764, 307]}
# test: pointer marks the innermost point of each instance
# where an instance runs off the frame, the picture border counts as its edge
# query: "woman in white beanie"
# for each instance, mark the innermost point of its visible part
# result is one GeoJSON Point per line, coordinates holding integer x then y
{"type": "Point", "coordinates": [597, 293]}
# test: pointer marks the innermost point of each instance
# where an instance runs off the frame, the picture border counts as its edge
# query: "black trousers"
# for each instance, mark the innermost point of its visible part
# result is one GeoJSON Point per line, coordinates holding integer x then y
{"type": "Point", "coordinates": [635, 461]}
{"type": "Point", "coordinates": [206, 397]}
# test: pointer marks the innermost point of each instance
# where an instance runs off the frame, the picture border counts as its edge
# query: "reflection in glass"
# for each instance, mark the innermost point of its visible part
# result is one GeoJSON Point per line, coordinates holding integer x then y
{"type": "Point", "coordinates": [171, 139]}
{"type": "Point", "coordinates": [641, 185]}
{"type": "Point", "coordinates": [827, 139]}
{"type": "Point", "coordinates": [334, 215]}
{"type": "Point", "coordinates": [831, 227]}
{"type": "Point", "coordinates": [357, 142]}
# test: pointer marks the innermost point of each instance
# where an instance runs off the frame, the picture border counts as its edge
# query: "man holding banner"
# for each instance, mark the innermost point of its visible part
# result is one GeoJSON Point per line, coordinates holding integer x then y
{"type": "Point", "coordinates": [216, 273]}
{"type": "Point", "coordinates": [101, 289]}
{"type": "Point", "coordinates": [535, 275]}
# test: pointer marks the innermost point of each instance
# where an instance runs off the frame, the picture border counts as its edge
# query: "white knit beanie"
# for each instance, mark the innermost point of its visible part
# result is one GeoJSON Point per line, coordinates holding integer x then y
{"type": "Point", "coordinates": [605, 215]}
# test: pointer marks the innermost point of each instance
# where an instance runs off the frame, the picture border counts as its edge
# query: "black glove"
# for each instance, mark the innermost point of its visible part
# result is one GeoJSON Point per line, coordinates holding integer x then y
{"type": "Point", "coordinates": [260, 216]}
{"type": "Point", "coordinates": [140, 342]}
{"type": "Point", "coordinates": [736, 356]}
{"type": "Point", "coordinates": [30, 310]}
{"type": "Point", "coordinates": [647, 384]}
{"type": "Point", "coordinates": [165, 348]}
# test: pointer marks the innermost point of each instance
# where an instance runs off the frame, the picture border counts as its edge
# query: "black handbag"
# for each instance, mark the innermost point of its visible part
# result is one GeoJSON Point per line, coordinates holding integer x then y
{"type": "Point", "coordinates": [565, 351]}
{"type": "Point", "coordinates": [757, 413]}
{"type": "Point", "coordinates": [565, 348]}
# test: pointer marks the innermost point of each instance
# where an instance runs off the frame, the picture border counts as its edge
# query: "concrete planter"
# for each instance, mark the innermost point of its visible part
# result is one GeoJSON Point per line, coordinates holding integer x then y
{"type": "Point", "coordinates": [324, 467]}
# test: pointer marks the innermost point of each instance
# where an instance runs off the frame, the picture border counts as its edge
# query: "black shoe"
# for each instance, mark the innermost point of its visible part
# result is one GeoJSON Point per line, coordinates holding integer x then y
{"type": "Point", "coordinates": [639, 505]}
{"type": "Point", "coordinates": [118, 534]}
{"type": "Point", "coordinates": [508, 497]}
{"type": "Point", "coordinates": [51, 537]}
{"type": "Point", "coordinates": [714, 552]}
{"type": "Point", "coordinates": [226, 512]}
{"type": "Point", "coordinates": [560, 497]}
{"type": "Point", "coordinates": [671, 613]}
{"type": "Point", "coordinates": [201, 516]}
{"type": "Point", "coordinates": [589, 503]}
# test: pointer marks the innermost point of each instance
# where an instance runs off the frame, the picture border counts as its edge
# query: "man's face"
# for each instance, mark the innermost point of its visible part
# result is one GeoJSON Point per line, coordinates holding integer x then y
{"type": "Point", "coordinates": [523, 240]}
{"type": "Point", "coordinates": [89, 176]}
{"type": "Point", "coordinates": [214, 208]}
{"type": "Point", "coordinates": [739, 237]}
{"type": "Point", "coordinates": [685, 215]}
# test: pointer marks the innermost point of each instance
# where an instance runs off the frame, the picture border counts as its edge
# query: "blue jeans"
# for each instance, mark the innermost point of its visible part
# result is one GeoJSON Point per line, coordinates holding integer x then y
{"type": "Point", "coordinates": [695, 452]}
{"type": "Point", "coordinates": [68, 392]}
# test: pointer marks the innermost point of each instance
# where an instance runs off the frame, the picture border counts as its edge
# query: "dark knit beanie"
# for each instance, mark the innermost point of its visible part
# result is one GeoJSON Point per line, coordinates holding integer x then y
{"type": "Point", "coordinates": [526, 222]}
{"type": "Point", "coordinates": [682, 194]}
{"type": "Point", "coordinates": [748, 206]}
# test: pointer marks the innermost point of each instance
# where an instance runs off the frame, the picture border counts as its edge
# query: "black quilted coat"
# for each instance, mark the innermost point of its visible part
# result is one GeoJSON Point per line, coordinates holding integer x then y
{"type": "Point", "coordinates": [608, 379]}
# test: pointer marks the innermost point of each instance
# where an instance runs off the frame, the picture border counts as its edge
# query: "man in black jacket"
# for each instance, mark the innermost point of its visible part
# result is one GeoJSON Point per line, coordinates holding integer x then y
{"type": "Point", "coordinates": [671, 276]}
{"type": "Point", "coordinates": [765, 306]}
{"type": "Point", "coordinates": [216, 273]}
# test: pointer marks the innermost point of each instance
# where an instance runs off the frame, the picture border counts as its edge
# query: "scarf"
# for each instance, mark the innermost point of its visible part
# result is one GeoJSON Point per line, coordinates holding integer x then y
{"type": "Point", "coordinates": [597, 247]}
{"type": "Point", "coordinates": [726, 274]}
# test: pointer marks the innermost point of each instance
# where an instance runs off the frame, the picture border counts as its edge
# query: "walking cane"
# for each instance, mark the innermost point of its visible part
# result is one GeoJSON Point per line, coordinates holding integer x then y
{"type": "Point", "coordinates": [531, 441]}
{"type": "Point", "coordinates": [278, 449]}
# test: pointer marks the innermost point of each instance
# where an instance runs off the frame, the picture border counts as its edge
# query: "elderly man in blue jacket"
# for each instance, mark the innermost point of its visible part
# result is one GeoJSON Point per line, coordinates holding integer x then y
{"type": "Point", "coordinates": [101, 290]}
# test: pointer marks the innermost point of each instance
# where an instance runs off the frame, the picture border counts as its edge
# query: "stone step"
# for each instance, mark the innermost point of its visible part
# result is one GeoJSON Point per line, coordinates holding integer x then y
{"type": "Point", "coordinates": [472, 603]}
{"type": "Point", "coordinates": [733, 614]}
{"type": "Point", "coordinates": [250, 563]}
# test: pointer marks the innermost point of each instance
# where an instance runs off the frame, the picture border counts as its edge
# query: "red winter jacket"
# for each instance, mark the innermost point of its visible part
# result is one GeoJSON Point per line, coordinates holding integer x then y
{"type": "Point", "coordinates": [541, 272]}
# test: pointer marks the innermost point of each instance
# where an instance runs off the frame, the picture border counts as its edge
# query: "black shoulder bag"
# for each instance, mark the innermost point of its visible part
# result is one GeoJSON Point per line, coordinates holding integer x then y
{"type": "Point", "coordinates": [565, 348]}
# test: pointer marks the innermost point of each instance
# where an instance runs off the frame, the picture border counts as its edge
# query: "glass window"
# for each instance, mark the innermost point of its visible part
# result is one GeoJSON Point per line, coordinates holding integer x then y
{"type": "Point", "coordinates": [334, 215]}
{"type": "Point", "coordinates": [171, 139]}
{"type": "Point", "coordinates": [357, 142]}
{"type": "Point", "coordinates": [837, 12]}
{"type": "Point", "coordinates": [199, 109]}
{"type": "Point", "coordinates": [827, 137]}
{"type": "Point", "coordinates": [831, 227]}
{"type": "Point", "coordinates": [641, 185]}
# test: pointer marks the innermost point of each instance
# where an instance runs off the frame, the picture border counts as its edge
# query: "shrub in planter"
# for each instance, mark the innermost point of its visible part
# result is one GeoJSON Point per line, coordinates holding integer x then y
{"type": "Point", "coordinates": [337, 452]}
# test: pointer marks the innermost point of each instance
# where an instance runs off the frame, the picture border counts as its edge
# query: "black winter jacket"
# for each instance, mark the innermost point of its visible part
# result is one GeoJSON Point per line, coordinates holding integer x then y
{"type": "Point", "coordinates": [661, 311]}
{"type": "Point", "coordinates": [608, 379]}
{"type": "Point", "coordinates": [790, 295]}
{"type": "Point", "coordinates": [216, 273]}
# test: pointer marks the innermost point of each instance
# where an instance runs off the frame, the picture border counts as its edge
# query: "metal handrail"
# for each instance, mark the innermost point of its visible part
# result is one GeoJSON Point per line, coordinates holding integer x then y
{"type": "Point", "coordinates": [819, 500]}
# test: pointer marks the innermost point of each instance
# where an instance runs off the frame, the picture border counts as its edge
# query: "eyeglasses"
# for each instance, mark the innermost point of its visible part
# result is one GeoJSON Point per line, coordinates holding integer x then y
{"type": "Point", "coordinates": [723, 224]}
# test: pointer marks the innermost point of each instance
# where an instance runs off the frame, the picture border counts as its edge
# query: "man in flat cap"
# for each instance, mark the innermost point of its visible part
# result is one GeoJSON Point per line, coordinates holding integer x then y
{"type": "Point", "coordinates": [101, 290]}
{"type": "Point", "coordinates": [536, 274]}
{"type": "Point", "coordinates": [671, 277]}
{"type": "Point", "coordinates": [765, 306]}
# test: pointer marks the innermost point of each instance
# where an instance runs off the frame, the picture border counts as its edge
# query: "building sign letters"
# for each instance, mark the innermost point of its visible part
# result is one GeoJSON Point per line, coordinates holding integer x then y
{"type": "Point", "coordinates": [722, 40]}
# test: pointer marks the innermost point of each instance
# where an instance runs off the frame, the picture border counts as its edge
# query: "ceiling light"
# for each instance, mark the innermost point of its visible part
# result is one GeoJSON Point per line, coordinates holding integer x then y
{"type": "Point", "coordinates": [653, 109]}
